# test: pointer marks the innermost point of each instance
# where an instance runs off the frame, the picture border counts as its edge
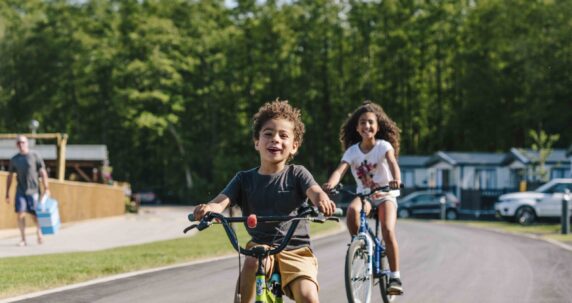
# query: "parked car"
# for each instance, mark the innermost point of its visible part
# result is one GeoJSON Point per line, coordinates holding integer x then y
{"type": "Point", "coordinates": [428, 203]}
{"type": "Point", "coordinates": [147, 197]}
{"type": "Point", "coordinates": [527, 207]}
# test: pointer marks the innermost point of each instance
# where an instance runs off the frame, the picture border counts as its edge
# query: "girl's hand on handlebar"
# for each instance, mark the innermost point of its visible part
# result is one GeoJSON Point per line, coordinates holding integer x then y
{"type": "Point", "coordinates": [328, 187]}
{"type": "Point", "coordinates": [394, 184]}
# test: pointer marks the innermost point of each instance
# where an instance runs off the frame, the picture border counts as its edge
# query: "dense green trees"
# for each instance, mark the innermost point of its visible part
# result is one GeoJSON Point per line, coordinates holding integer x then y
{"type": "Point", "coordinates": [170, 85]}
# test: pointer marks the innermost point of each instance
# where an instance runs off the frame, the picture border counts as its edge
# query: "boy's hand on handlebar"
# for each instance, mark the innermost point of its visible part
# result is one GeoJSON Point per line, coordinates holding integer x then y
{"type": "Point", "coordinates": [326, 206]}
{"type": "Point", "coordinates": [201, 210]}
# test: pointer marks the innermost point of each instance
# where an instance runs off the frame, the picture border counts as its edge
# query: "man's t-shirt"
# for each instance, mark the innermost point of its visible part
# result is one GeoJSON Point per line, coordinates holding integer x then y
{"type": "Point", "coordinates": [278, 194]}
{"type": "Point", "coordinates": [370, 170]}
{"type": "Point", "coordinates": [27, 167]}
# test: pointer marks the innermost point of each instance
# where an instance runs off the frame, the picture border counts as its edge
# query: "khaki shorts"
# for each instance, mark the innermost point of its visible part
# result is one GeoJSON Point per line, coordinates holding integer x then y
{"type": "Point", "coordinates": [293, 264]}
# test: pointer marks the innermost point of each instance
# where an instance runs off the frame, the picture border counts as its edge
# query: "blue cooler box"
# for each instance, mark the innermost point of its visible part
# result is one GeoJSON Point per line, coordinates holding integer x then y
{"type": "Point", "coordinates": [48, 216]}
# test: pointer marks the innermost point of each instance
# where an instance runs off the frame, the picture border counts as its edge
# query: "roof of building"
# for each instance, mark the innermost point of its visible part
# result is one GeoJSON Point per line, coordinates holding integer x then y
{"type": "Point", "coordinates": [466, 158]}
{"type": "Point", "coordinates": [527, 156]}
{"type": "Point", "coordinates": [412, 161]}
{"type": "Point", "coordinates": [73, 152]}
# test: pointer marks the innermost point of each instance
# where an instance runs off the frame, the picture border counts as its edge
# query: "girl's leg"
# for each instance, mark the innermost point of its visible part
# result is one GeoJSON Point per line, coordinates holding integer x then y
{"type": "Point", "coordinates": [352, 216]}
{"type": "Point", "coordinates": [388, 216]}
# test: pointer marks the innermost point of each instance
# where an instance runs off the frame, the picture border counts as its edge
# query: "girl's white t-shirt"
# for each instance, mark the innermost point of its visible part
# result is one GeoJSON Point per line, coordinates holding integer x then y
{"type": "Point", "coordinates": [370, 170]}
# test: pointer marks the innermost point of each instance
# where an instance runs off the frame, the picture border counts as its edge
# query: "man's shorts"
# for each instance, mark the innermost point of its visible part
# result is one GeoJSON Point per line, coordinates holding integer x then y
{"type": "Point", "coordinates": [293, 264]}
{"type": "Point", "coordinates": [26, 203]}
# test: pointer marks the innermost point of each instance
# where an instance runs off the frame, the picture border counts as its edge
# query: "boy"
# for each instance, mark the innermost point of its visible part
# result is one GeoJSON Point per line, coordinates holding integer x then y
{"type": "Point", "coordinates": [276, 188]}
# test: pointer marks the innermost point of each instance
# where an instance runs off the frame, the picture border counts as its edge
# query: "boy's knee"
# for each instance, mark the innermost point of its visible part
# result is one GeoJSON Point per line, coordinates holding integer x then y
{"type": "Point", "coordinates": [304, 290]}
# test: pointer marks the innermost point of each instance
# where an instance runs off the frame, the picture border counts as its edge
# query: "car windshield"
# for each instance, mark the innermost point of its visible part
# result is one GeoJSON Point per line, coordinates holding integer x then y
{"type": "Point", "coordinates": [550, 188]}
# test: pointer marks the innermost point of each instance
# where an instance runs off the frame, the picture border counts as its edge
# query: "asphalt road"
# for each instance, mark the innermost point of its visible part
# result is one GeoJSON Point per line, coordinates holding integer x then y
{"type": "Point", "coordinates": [440, 263]}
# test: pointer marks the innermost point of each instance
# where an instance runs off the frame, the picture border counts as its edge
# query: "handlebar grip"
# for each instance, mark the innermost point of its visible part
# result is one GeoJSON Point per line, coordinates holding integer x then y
{"type": "Point", "coordinates": [338, 212]}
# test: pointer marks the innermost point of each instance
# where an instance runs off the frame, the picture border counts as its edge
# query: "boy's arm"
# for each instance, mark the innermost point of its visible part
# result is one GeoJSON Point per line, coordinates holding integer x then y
{"type": "Point", "coordinates": [336, 176]}
{"type": "Point", "coordinates": [216, 205]}
{"type": "Point", "coordinates": [394, 168]}
{"type": "Point", "coordinates": [321, 200]}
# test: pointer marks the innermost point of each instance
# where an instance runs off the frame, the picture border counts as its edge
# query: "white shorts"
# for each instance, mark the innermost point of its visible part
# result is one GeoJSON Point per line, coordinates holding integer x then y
{"type": "Point", "coordinates": [383, 197]}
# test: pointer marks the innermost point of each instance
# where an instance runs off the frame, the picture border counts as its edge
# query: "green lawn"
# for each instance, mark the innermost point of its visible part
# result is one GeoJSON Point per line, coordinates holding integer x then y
{"type": "Point", "coordinates": [21, 275]}
{"type": "Point", "coordinates": [541, 230]}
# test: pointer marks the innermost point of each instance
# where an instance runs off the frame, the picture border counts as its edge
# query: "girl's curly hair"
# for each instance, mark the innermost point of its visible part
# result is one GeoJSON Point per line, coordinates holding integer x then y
{"type": "Point", "coordinates": [278, 109]}
{"type": "Point", "coordinates": [388, 130]}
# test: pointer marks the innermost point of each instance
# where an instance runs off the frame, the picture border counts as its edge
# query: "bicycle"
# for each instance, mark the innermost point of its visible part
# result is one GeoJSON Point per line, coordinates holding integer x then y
{"type": "Point", "coordinates": [366, 261]}
{"type": "Point", "coordinates": [267, 290]}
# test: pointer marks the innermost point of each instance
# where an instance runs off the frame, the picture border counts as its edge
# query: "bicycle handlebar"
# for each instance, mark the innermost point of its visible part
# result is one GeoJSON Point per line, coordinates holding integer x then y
{"type": "Point", "coordinates": [339, 188]}
{"type": "Point", "coordinates": [304, 213]}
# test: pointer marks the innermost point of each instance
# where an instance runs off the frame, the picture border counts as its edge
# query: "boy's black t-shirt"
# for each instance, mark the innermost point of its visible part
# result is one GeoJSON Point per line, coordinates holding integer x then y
{"type": "Point", "coordinates": [278, 194]}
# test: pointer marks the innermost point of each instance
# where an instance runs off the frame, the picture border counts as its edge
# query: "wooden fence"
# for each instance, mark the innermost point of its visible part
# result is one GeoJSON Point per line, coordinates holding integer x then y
{"type": "Point", "coordinates": [77, 201]}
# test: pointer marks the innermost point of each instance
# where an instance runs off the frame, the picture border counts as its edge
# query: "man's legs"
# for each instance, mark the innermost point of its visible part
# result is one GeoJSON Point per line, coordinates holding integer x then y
{"type": "Point", "coordinates": [21, 218]}
{"type": "Point", "coordinates": [38, 229]}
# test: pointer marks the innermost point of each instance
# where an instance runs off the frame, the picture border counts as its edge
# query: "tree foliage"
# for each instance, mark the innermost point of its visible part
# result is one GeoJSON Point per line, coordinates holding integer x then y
{"type": "Point", "coordinates": [170, 85]}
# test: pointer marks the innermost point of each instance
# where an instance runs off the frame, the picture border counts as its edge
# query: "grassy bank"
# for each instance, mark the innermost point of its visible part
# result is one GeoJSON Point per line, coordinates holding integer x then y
{"type": "Point", "coordinates": [541, 230]}
{"type": "Point", "coordinates": [22, 275]}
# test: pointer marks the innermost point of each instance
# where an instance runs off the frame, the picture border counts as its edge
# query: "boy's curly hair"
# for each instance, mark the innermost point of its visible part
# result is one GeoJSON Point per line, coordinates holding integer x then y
{"type": "Point", "coordinates": [388, 130]}
{"type": "Point", "coordinates": [275, 110]}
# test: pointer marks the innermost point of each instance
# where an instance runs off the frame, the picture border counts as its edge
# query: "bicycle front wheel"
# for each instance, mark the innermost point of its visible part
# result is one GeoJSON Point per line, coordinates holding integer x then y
{"type": "Point", "coordinates": [358, 281]}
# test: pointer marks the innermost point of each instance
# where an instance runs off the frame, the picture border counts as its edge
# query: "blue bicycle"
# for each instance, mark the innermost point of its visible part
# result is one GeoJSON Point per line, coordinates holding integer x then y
{"type": "Point", "coordinates": [366, 261]}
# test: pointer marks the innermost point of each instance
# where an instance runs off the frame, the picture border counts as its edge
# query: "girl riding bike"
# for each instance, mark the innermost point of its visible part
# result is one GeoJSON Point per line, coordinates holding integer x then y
{"type": "Point", "coordinates": [276, 189]}
{"type": "Point", "coordinates": [371, 142]}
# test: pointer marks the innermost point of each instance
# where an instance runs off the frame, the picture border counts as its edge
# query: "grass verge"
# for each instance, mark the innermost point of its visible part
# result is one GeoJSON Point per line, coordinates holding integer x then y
{"type": "Point", "coordinates": [540, 230]}
{"type": "Point", "coordinates": [22, 275]}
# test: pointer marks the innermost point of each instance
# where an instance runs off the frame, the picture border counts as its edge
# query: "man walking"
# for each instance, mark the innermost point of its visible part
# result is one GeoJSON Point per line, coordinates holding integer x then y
{"type": "Point", "coordinates": [29, 167]}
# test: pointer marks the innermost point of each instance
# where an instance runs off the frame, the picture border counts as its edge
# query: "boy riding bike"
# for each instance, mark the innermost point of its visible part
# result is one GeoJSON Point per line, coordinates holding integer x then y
{"type": "Point", "coordinates": [371, 142]}
{"type": "Point", "coordinates": [276, 188]}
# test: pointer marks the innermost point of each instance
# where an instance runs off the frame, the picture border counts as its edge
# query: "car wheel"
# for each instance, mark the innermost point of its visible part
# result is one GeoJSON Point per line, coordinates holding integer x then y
{"type": "Point", "coordinates": [525, 216]}
{"type": "Point", "coordinates": [404, 213]}
{"type": "Point", "coordinates": [452, 214]}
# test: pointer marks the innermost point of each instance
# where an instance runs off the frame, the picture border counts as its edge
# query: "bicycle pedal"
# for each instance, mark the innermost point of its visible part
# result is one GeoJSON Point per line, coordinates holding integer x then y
{"type": "Point", "coordinates": [395, 292]}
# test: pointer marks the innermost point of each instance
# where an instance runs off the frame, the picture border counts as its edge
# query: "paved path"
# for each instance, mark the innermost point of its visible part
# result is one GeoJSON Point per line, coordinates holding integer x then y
{"type": "Point", "coordinates": [151, 224]}
{"type": "Point", "coordinates": [441, 263]}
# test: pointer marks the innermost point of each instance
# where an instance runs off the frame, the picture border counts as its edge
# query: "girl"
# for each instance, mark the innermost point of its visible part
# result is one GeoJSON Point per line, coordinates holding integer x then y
{"type": "Point", "coordinates": [371, 143]}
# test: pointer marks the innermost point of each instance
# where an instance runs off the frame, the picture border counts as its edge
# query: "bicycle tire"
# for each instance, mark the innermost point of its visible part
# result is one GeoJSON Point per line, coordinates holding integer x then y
{"type": "Point", "coordinates": [384, 281]}
{"type": "Point", "coordinates": [358, 283]}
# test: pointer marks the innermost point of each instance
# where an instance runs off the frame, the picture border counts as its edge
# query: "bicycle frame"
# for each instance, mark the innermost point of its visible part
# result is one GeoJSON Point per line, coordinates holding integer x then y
{"type": "Point", "coordinates": [374, 245]}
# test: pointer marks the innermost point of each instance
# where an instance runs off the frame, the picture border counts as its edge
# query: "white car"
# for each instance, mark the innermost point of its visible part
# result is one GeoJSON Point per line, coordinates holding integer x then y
{"type": "Point", "coordinates": [526, 207]}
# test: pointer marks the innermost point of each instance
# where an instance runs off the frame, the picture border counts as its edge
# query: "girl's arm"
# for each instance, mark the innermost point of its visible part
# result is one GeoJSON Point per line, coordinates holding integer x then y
{"type": "Point", "coordinates": [321, 200]}
{"type": "Point", "coordinates": [216, 205]}
{"type": "Point", "coordinates": [394, 168]}
{"type": "Point", "coordinates": [336, 176]}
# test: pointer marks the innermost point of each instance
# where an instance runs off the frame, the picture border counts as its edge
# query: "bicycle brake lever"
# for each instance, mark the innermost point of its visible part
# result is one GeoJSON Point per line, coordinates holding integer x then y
{"type": "Point", "coordinates": [333, 219]}
{"type": "Point", "coordinates": [189, 228]}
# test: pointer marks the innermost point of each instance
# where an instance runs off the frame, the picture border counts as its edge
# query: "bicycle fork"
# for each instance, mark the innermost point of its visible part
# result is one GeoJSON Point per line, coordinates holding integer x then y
{"type": "Point", "coordinates": [369, 247]}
